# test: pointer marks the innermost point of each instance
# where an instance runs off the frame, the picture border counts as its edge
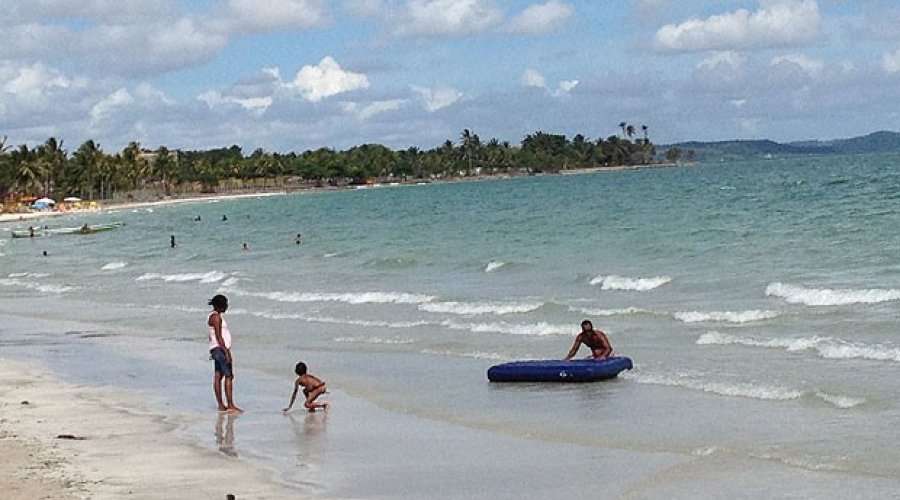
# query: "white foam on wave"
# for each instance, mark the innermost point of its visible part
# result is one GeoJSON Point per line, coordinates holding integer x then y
{"type": "Point", "coordinates": [749, 390]}
{"type": "Point", "coordinates": [737, 389]}
{"type": "Point", "coordinates": [113, 265]}
{"type": "Point", "coordinates": [826, 347]}
{"type": "Point", "coordinates": [830, 297]}
{"type": "Point", "coordinates": [230, 282]}
{"type": "Point", "coordinates": [32, 285]}
{"type": "Point", "coordinates": [209, 277]}
{"type": "Point", "coordinates": [347, 297]}
{"type": "Point", "coordinates": [490, 356]}
{"type": "Point", "coordinates": [182, 308]}
{"type": "Point", "coordinates": [375, 340]}
{"type": "Point", "coordinates": [627, 311]}
{"type": "Point", "coordinates": [724, 316]}
{"type": "Point", "coordinates": [340, 321]}
{"type": "Point", "coordinates": [29, 275]}
{"type": "Point", "coordinates": [613, 282]}
{"type": "Point", "coordinates": [493, 266]}
{"type": "Point", "coordinates": [537, 329]}
{"type": "Point", "coordinates": [479, 308]}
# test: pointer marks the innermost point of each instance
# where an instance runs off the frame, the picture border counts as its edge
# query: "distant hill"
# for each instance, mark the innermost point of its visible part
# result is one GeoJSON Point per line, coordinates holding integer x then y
{"type": "Point", "coordinates": [876, 142]}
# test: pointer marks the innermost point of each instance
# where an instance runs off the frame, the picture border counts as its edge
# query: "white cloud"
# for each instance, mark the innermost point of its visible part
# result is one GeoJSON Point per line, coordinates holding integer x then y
{"type": "Point", "coordinates": [446, 17]}
{"type": "Point", "coordinates": [531, 78]}
{"type": "Point", "coordinates": [363, 8]}
{"type": "Point", "coordinates": [253, 16]}
{"type": "Point", "coordinates": [380, 107]}
{"type": "Point", "coordinates": [31, 83]}
{"type": "Point", "coordinates": [438, 98]}
{"type": "Point", "coordinates": [813, 67]}
{"type": "Point", "coordinates": [325, 80]}
{"type": "Point", "coordinates": [890, 61]}
{"type": "Point", "coordinates": [781, 23]}
{"type": "Point", "coordinates": [541, 18]}
{"type": "Point", "coordinates": [719, 61]}
{"type": "Point", "coordinates": [566, 86]}
{"type": "Point", "coordinates": [118, 99]}
{"type": "Point", "coordinates": [215, 99]}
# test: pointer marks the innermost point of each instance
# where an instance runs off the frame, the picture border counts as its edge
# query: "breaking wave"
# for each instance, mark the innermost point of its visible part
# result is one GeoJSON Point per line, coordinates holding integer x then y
{"type": "Point", "coordinates": [825, 347]}
{"type": "Point", "coordinates": [724, 316]}
{"type": "Point", "coordinates": [210, 277]}
{"type": "Point", "coordinates": [830, 297]}
{"type": "Point", "coordinates": [479, 308]}
{"type": "Point", "coordinates": [613, 282]}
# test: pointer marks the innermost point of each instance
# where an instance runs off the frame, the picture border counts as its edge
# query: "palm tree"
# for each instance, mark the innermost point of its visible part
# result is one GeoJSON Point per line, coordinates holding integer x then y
{"type": "Point", "coordinates": [52, 158]}
{"type": "Point", "coordinates": [87, 158]}
{"type": "Point", "coordinates": [470, 146]}
{"type": "Point", "coordinates": [629, 131]}
{"type": "Point", "coordinates": [622, 126]}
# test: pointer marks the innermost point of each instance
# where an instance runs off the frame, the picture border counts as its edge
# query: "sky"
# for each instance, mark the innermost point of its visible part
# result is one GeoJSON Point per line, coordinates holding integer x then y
{"type": "Point", "coordinates": [293, 75]}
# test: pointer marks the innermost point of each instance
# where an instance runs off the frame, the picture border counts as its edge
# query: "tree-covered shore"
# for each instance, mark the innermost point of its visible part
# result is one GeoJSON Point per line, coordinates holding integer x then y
{"type": "Point", "coordinates": [89, 172]}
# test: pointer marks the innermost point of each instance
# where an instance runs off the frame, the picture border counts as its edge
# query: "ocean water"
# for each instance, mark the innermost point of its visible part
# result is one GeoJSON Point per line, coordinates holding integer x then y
{"type": "Point", "coordinates": [758, 301]}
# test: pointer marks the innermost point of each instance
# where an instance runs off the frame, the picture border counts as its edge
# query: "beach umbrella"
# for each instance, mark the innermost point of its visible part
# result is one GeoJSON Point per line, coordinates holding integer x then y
{"type": "Point", "coordinates": [45, 201]}
{"type": "Point", "coordinates": [72, 199]}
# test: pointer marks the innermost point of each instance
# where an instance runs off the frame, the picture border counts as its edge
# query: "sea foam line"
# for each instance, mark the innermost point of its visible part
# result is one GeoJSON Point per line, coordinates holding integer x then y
{"type": "Point", "coordinates": [613, 282]}
{"type": "Point", "coordinates": [113, 265]}
{"type": "Point", "coordinates": [209, 277]}
{"type": "Point", "coordinates": [490, 356]}
{"type": "Point", "coordinates": [828, 348]}
{"type": "Point", "coordinates": [348, 297]}
{"type": "Point", "coordinates": [493, 266]}
{"type": "Point", "coordinates": [744, 389]}
{"type": "Point", "coordinates": [537, 329]}
{"type": "Point", "coordinates": [36, 286]}
{"type": "Point", "coordinates": [375, 340]}
{"type": "Point", "coordinates": [830, 297]}
{"type": "Point", "coordinates": [724, 316]}
{"type": "Point", "coordinates": [479, 308]}
{"type": "Point", "coordinates": [626, 311]}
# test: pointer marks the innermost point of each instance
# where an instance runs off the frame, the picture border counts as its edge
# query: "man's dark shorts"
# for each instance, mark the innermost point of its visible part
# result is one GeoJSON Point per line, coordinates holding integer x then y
{"type": "Point", "coordinates": [218, 356]}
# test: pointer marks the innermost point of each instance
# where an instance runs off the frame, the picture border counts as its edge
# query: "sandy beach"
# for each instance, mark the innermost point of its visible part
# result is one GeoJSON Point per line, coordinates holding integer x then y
{"type": "Point", "coordinates": [60, 440]}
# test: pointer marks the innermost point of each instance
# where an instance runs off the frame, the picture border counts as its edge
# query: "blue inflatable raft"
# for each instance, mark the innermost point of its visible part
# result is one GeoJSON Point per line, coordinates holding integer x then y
{"type": "Point", "coordinates": [554, 370]}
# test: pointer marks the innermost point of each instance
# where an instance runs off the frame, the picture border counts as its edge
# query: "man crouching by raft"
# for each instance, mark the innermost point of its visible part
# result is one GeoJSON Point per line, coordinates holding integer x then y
{"type": "Point", "coordinates": [595, 340]}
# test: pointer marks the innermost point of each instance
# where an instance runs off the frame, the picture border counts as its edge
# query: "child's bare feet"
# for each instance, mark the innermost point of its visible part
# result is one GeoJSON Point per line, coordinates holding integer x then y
{"type": "Point", "coordinates": [233, 409]}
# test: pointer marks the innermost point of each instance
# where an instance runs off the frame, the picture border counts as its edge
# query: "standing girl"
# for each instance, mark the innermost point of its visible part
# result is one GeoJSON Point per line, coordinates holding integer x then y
{"type": "Point", "coordinates": [220, 353]}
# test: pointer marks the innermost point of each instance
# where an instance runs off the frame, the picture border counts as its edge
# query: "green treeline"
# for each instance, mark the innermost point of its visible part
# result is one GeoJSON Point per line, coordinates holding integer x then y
{"type": "Point", "coordinates": [91, 173]}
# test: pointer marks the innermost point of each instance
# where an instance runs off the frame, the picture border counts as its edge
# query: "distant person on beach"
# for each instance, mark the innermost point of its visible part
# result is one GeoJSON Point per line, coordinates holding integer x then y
{"type": "Point", "coordinates": [244, 247]}
{"type": "Point", "coordinates": [45, 253]}
{"type": "Point", "coordinates": [595, 340]}
{"type": "Point", "coordinates": [313, 387]}
{"type": "Point", "coordinates": [224, 218]}
{"type": "Point", "coordinates": [299, 239]}
{"type": "Point", "coordinates": [172, 241]}
{"type": "Point", "coordinates": [197, 218]}
{"type": "Point", "coordinates": [220, 353]}
{"type": "Point", "coordinates": [31, 231]}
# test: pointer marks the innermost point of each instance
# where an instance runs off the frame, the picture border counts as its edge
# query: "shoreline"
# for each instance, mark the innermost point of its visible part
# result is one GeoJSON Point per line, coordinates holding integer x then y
{"type": "Point", "coordinates": [199, 198]}
{"type": "Point", "coordinates": [59, 440]}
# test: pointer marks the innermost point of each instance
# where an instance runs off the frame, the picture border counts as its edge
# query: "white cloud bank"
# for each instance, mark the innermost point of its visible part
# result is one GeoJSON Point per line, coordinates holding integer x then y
{"type": "Point", "coordinates": [532, 78]}
{"type": "Point", "coordinates": [326, 79]}
{"type": "Point", "coordinates": [783, 23]}
{"type": "Point", "coordinates": [541, 18]}
{"type": "Point", "coordinates": [446, 17]}
{"type": "Point", "coordinates": [254, 16]}
{"type": "Point", "coordinates": [437, 98]}
{"type": "Point", "coordinates": [890, 61]}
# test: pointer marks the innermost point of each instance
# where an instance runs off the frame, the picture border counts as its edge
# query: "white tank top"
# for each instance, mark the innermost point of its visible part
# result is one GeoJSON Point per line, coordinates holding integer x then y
{"type": "Point", "coordinates": [226, 335]}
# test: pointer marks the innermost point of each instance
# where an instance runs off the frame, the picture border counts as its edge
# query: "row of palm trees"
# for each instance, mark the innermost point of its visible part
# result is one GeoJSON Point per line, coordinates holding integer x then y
{"type": "Point", "coordinates": [90, 173]}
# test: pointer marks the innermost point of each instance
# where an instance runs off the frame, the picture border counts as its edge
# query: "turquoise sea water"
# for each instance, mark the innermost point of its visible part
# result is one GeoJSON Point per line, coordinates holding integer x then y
{"type": "Point", "coordinates": [758, 301]}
